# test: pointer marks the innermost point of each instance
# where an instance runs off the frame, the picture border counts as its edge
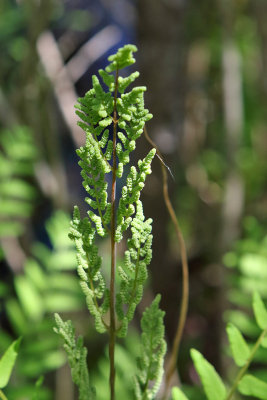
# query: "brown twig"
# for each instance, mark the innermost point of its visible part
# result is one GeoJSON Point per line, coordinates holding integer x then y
{"type": "Point", "coordinates": [171, 366]}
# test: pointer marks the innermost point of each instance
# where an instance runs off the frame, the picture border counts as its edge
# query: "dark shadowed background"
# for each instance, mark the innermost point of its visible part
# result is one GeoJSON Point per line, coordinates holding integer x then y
{"type": "Point", "coordinates": [205, 67]}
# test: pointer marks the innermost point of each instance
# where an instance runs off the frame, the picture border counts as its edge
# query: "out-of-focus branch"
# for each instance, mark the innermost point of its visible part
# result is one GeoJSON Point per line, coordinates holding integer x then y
{"type": "Point", "coordinates": [14, 253]}
{"type": "Point", "coordinates": [63, 76]}
{"type": "Point", "coordinates": [233, 117]}
{"type": "Point", "coordinates": [7, 115]}
{"type": "Point", "coordinates": [62, 83]}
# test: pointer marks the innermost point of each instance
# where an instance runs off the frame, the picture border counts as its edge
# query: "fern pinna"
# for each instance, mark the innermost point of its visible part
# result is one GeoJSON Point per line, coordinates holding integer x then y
{"type": "Point", "coordinates": [108, 111]}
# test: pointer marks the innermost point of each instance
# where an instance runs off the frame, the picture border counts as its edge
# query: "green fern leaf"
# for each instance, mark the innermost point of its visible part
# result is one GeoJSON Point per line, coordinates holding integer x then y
{"type": "Point", "coordinates": [177, 394]}
{"type": "Point", "coordinates": [260, 311]}
{"type": "Point", "coordinates": [211, 381]}
{"type": "Point", "coordinates": [17, 194]}
{"type": "Point", "coordinates": [7, 362]}
{"type": "Point", "coordinates": [239, 347]}
{"type": "Point", "coordinates": [252, 386]}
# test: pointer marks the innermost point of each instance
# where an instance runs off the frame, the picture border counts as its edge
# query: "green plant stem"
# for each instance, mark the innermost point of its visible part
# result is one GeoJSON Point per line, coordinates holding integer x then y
{"type": "Point", "coordinates": [112, 328]}
{"type": "Point", "coordinates": [171, 366]}
{"type": "Point", "coordinates": [2, 395]}
{"type": "Point", "coordinates": [245, 367]}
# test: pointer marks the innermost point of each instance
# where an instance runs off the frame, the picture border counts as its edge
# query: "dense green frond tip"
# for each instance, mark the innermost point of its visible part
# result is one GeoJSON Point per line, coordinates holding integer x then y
{"type": "Point", "coordinates": [177, 394]}
{"type": "Point", "coordinates": [239, 347]}
{"type": "Point", "coordinates": [76, 354]}
{"type": "Point", "coordinates": [123, 58]}
{"type": "Point", "coordinates": [251, 386]}
{"type": "Point", "coordinates": [153, 348]}
{"type": "Point", "coordinates": [7, 362]}
{"type": "Point", "coordinates": [211, 381]}
{"type": "Point", "coordinates": [260, 311]}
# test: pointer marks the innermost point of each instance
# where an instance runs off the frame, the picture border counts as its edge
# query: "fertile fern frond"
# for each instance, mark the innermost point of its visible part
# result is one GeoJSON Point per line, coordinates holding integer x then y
{"type": "Point", "coordinates": [131, 193]}
{"type": "Point", "coordinates": [89, 263]}
{"type": "Point", "coordinates": [98, 109]}
{"type": "Point", "coordinates": [76, 354]}
{"type": "Point", "coordinates": [113, 119]}
{"type": "Point", "coordinates": [134, 271]}
{"type": "Point", "coordinates": [123, 58]}
{"type": "Point", "coordinates": [153, 349]}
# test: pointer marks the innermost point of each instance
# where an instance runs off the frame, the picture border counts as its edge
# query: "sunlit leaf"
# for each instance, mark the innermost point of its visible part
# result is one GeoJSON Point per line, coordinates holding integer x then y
{"type": "Point", "coordinates": [252, 386]}
{"type": "Point", "coordinates": [7, 362]}
{"type": "Point", "coordinates": [177, 394]}
{"type": "Point", "coordinates": [264, 342]}
{"type": "Point", "coordinates": [16, 316]}
{"type": "Point", "coordinates": [260, 311]}
{"type": "Point", "coordinates": [211, 381]}
{"type": "Point", "coordinates": [59, 301]}
{"type": "Point", "coordinates": [29, 297]}
{"type": "Point", "coordinates": [239, 347]}
{"type": "Point", "coordinates": [254, 265]}
{"type": "Point", "coordinates": [17, 188]}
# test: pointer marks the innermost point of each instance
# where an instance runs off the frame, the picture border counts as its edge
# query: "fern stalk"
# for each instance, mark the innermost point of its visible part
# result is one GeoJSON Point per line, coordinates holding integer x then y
{"type": "Point", "coordinates": [112, 328]}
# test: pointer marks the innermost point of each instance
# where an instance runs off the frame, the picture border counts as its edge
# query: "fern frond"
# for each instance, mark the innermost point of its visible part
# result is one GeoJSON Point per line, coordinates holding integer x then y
{"type": "Point", "coordinates": [153, 349]}
{"type": "Point", "coordinates": [123, 58]}
{"type": "Point", "coordinates": [109, 111]}
{"type": "Point", "coordinates": [131, 194]}
{"type": "Point", "coordinates": [89, 262]}
{"type": "Point", "coordinates": [134, 271]}
{"type": "Point", "coordinates": [76, 354]}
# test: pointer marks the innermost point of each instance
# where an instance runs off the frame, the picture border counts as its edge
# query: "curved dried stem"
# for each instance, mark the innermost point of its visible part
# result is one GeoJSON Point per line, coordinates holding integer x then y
{"type": "Point", "coordinates": [171, 366]}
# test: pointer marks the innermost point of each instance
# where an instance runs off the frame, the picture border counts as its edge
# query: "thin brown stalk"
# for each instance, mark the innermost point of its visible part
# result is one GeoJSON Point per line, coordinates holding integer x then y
{"type": "Point", "coordinates": [171, 365]}
{"type": "Point", "coordinates": [112, 328]}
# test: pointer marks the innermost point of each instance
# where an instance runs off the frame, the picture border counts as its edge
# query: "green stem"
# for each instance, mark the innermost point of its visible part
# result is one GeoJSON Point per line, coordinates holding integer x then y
{"type": "Point", "coordinates": [2, 395]}
{"type": "Point", "coordinates": [245, 367]}
{"type": "Point", "coordinates": [112, 328]}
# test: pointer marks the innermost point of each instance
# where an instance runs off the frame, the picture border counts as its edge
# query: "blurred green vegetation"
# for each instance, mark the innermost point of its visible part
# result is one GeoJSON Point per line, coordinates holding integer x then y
{"type": "Point", "coordinates": [219, 191]}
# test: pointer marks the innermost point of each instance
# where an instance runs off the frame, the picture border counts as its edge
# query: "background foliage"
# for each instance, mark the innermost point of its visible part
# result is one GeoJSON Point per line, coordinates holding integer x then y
{"type": "Point", "coordinates": [205, 66]}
